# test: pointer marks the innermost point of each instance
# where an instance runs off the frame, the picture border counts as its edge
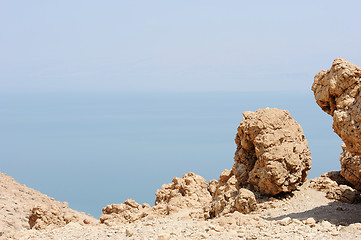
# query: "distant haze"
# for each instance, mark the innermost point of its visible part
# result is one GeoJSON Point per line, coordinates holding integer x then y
{"type": "Point", "coordinates": [203, 45]}
{"type": "Point", "coordinates": [96, 149]}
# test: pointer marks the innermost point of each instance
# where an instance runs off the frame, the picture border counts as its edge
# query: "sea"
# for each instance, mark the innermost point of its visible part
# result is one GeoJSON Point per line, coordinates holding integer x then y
{"type": "Point", "coordinates": [95, 149]}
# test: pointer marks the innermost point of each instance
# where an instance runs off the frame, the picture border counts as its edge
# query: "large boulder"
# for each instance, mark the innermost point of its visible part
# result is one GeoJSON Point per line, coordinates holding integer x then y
{"type": "Point", "coordinates": [337, 92]}
{"type": "Point", "coordinates": [272, 153]}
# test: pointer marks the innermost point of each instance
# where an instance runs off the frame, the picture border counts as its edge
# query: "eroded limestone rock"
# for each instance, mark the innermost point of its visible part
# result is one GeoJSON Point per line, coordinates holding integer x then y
{"type": "Point", "coordinates": [126, 212]}
{"type": "Point", "coordinates": [272, 152]}
{"type": "Point", "coordinates": [335, 187]}
{"type": "Point", "coordinates": [54, 216]}
{"type": "Point", "coordinates": [187, 193]}
{"type": "Point", "coordinates": [228, 197]}
{"type": "Point", "coordinates": [190, 191]}
{"type": "Point", "coordinates": [337, 92]}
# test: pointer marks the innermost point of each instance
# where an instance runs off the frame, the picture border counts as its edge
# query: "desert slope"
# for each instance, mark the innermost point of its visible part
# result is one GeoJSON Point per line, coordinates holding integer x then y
{"type": "Point", "coordinates": [17, 201]}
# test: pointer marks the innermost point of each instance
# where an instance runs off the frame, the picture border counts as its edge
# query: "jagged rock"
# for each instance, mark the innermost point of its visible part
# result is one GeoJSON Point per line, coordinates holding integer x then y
{"type": "Point", "coordinates": [190, 191]}
{"type": "Point", "coordinates": [54, 216]}
{"type": "Point", "coordinates": [22, 208]}
{"type": "Point", "coordinates": [337, 92]}
{"type": "Point", "coordinates": [126, 212]}
{"type": "Point", "coordinates": [334, 185]}
{"type": "Point", "coordinates": [227, 197]}
{"type": "Point", "coordinates": [272, 152]}
{"type": "Point", "coordinates": [351, 167]}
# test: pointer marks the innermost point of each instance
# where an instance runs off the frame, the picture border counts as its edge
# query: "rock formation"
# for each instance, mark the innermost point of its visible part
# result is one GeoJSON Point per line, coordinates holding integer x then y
{"type": "Point", "coordinates": [126, 212]}
{"type": "Point", "coordinates": [335, 187]}
{"type": "Point", "coordinates": [272, 152]}
{"type": "Point", "coordinates": [56, 215]}
{"type": "Point", "coordinates": [189, 193]}
{"type": "Point", "coordinates": [22, 208]}
{"type": "Point", "coordinates": [337, 92]}
{"type": "Point", "coordinates": [228, 197]}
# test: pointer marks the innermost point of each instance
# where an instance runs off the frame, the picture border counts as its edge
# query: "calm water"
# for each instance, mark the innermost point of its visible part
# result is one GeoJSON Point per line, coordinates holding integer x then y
{"type": "Point", "coordinates": [95, 149]}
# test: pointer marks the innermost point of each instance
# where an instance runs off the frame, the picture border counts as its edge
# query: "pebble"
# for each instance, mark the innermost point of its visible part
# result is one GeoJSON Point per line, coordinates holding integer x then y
{"type": "Point", "coordinates": [285, 221]}
{"type": "Point", "coordinates": [163, 237]}
{"type": "Point", "coordinates": [310, 221]}
{"type": "Point", "coordinates": [129, 233]}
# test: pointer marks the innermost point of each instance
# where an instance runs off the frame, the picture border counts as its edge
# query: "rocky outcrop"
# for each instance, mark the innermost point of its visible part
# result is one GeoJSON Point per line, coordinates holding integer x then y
{"type": "Point", "coordinates": [228, 197]}
{"type": "Point", "coordinates": [55, 215]}
{"type": "Point", "coordinates": [337, 92]}
{"type": "Point", "coordinates": [126, 212]}
{"type": "Point", "coordinates": [189, 193]}
{"type": "Point", "coordinates": [272, 152]}
{"type": "Point", "coordinates": [335, 187]}
{"type": "Point", "coordinates": [22, 208]}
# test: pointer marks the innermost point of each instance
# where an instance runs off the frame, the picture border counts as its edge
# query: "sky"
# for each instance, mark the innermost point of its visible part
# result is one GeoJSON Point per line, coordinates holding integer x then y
{"type": "Point", "coordinates": [165, 46]}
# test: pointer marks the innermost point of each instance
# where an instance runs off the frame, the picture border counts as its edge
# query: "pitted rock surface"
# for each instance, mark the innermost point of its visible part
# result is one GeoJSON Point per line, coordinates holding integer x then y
{"type": "Point", "coordinates": [272, 152]}
{"type": "Point", "coordinates": [190, 191]}
{"type": "Point", "coordinates": [23, 208]}
{"type": "Point", "coordinates": [228, 197]}
{"type": "Point", "coordinates": [337, 92]}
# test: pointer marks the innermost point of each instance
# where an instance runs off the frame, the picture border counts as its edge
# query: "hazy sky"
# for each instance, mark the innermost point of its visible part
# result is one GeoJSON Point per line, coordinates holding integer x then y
{"type": "Point", "coordinates": [173, 45]}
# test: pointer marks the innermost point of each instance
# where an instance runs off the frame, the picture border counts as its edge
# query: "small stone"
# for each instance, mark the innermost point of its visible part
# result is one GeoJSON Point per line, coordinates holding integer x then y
{"type": "Point", "coordinates": [326, 224]}
{"type": "Point", "coordinates": [129, 233]}
{"type": "Point", "coordinates": [310, 221]}
{"type": "Point", "coordinates": [339, 209]}
{"type": "Point", "coordinates": [163, 237]}
{"type": "Point", "coordinates": [203, 236]}
{"type": "Point", "coordinates": [286, 221]}
{"type": "Point", "coordinates": [297, 221]}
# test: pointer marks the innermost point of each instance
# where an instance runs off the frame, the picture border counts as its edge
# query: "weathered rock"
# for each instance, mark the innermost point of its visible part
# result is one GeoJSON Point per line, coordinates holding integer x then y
{"type": "Point", "coordinates": [334, 185]}
{"type": "Point", "coordinates": [272, 152]}
{"type": "Point", "coordinates": [351, 167]}
{"type": "Point", "coordinates": [22, 208]}
{"type": "Point", "coordinates": [190, 191]}
{"type": "Point", "coordinates": [227, 197]}
{"type": "Point", "coordinates": [337, 92]}
{"type": "Point", "coordinates": [126, 212]}
{"type": "Point", "coordinates": [54, 216]}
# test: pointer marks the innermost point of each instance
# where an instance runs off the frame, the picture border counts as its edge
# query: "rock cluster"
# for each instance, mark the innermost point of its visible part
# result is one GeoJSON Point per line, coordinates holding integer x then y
{"type": "Point", "coordinates": [22, 208]}
{"type": "Point", "coordinates": [337, 92]}
{"type": "Point", "coordinates": [55, 215]}
{"type": "Point", "coordinates": [126, 212]}
{"type": "Point", "coordinates": [228, 197]}
{"type": "Point", "coordinates": [335, 187]}
{"type": "Point", "coordinates": [188, 193]}
{"type": "Point", "coordinates": [272, 152]}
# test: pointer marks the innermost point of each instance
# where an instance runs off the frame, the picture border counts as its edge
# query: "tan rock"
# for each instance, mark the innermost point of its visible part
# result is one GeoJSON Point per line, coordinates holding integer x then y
{"type": "Point", "coordinates": [272, 152]}
{"type": "Point", "coordinates": [333, 184]}
{"type": "Point", "coordinates": [190, 191]}
{"type": "Point", "coordinates": [337, 92]}
{"type": "Point", "coordinates": [22, 208]}
{"type": "Point", "coordinates": [228, 197]}
{"type": "Point", "coordinates": [126, 212]}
